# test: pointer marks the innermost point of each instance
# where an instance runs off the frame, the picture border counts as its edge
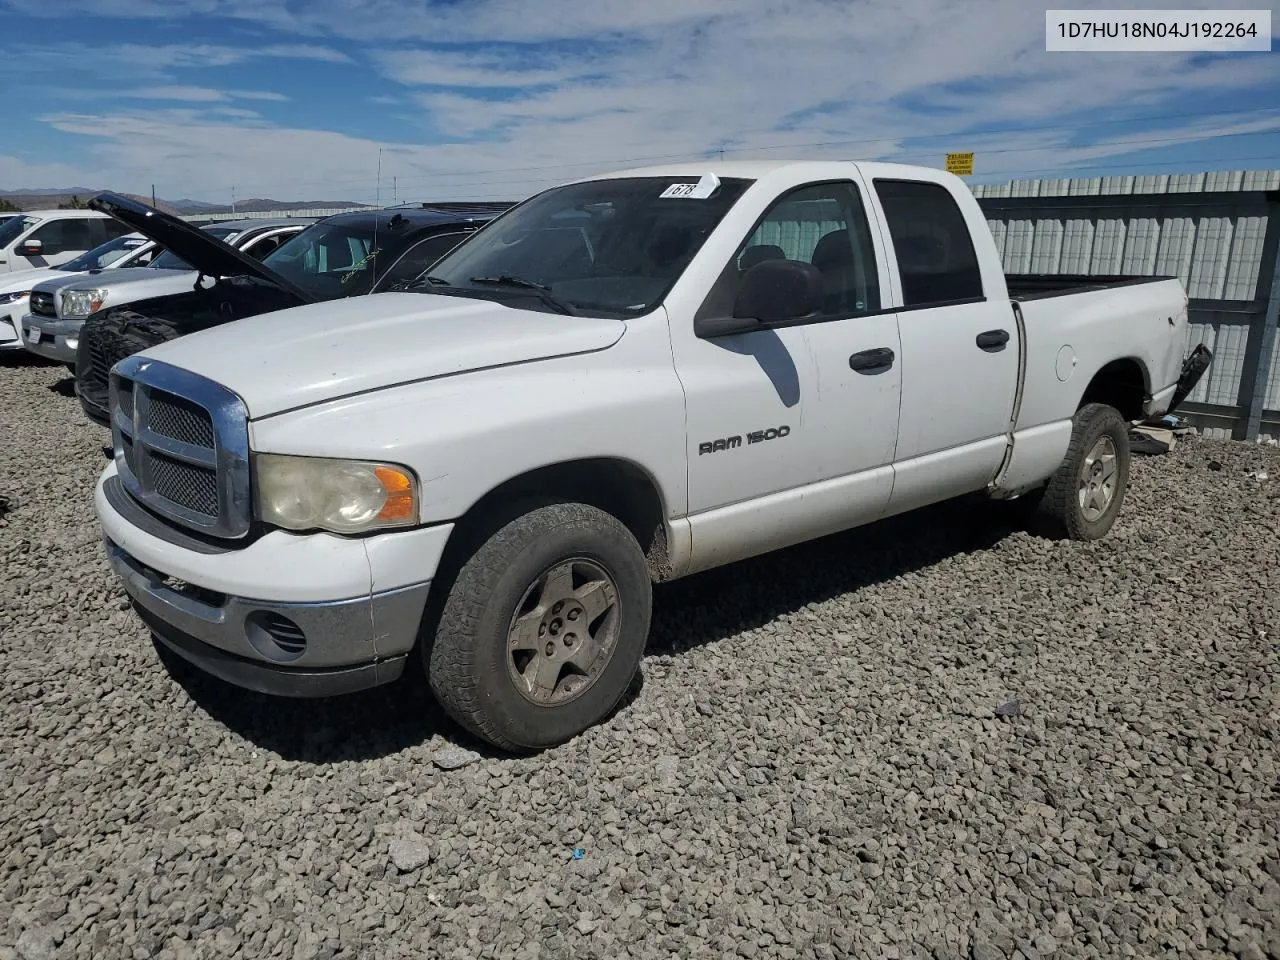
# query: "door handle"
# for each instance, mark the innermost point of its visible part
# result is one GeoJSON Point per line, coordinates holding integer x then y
{"type": "Point", "coordinates": [993, 341]}
{"type": "Point", "coordinates": [872, 361]}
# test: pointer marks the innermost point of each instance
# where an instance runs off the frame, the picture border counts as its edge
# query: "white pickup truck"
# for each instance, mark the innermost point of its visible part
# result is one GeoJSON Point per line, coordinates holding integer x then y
{"type": "Point", "coordinates": [621, 380]}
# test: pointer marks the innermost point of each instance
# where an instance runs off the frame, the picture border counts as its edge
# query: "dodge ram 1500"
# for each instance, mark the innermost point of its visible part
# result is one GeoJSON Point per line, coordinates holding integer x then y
{"type": "Point", "coordinates": [622, 380]}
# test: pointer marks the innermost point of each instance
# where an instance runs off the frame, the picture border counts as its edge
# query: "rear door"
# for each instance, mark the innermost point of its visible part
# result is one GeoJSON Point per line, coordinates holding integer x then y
{"type": "Point", "coordinates": [960, 349]}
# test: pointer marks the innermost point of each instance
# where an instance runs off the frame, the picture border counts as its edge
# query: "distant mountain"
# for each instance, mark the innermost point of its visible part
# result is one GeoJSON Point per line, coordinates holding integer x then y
{"type": "Point", "coordinates": [258, 204]}
{"type": "Point", "coordinates": [186, 205]}
{"type": "Point", "coordinates": [50, 191]}
{"type": "Point", "coordinates": [31, 200]}
{"type": "Point", "coordinates": [49, 199]}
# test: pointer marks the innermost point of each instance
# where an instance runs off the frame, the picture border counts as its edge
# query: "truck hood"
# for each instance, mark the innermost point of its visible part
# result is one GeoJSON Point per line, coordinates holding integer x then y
{"type": "Point", "coordinates": [120, 276]}
{"type": "Point", "coordinates": [123, 285]}
{"type": "Point", "coordinates": [306, 355]}
{"type": "Point", "coordinates": [60, 281]}
{"type": "Point", "coordinates": [204, 252]}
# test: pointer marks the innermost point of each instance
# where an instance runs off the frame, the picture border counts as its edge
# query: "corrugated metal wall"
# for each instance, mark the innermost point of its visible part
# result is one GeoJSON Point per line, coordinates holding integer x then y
{"type": "Point", "coordinates": [1217, 232]}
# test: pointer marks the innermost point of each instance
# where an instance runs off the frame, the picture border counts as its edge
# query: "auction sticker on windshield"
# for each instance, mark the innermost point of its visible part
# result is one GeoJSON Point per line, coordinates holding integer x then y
{"type": "Point", "coordinates": [704, 188]}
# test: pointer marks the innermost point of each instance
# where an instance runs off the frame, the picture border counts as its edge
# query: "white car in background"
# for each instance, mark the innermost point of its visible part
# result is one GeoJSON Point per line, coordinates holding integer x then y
{"type": "Point", "coordinates": [58, 309]}
{"type": "Point", "coordinates": [49, 238]}
{"type": "Point", "coordinates": [130, 250]}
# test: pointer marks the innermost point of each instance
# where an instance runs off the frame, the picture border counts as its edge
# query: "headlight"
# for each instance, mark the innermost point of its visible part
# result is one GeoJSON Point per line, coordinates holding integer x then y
{"type": "Point", "coordinates": [6, 298]}
{"type": "Point", "coordinates": [344, 496]}
{"type": "Point", "coordinates": [77, 304]}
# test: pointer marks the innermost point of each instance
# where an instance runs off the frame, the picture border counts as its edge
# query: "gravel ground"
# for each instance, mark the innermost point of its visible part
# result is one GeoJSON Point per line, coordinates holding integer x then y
{"type": "Point", "coordinates": [940, 737]}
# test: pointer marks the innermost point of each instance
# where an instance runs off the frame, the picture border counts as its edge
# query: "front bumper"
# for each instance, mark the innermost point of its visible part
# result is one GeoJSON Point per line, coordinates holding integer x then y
{"type": "Point", "coordinates": [50, 338]}
{"type": "Point", "coordinates": [235, 638]}
{"type": "Point", "coordinates": [10, 332]}
{"type": "Point", "coordinates": [288, 614]}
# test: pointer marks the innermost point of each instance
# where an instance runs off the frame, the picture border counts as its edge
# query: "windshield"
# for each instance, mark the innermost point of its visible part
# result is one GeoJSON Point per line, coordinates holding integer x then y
{"type": "Point", "coordinates": [608, 247]}
{"type": "Point", "coordinates": [169, 261]}
{"type": "Point", "coordinates": [11, 230]}
{"type": "Point", "coordinates": [103, 256]}
{"type": "Point", "coordinates": [330, 261]}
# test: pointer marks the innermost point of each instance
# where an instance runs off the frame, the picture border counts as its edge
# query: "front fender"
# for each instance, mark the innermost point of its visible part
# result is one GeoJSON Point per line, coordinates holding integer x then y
{"type": "Point", "coordinates": [466, 435]}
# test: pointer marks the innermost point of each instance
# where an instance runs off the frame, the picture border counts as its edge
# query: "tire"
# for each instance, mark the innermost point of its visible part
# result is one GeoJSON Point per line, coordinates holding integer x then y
{"type": "Point", "coordinates": [1083, 499]}
{"type": "Point", "coordinates": [579, 656]}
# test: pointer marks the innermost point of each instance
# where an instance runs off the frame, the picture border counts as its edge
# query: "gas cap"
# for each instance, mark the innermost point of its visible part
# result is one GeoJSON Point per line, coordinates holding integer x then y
{"type": "Point", "coordinates": [1067, 362]}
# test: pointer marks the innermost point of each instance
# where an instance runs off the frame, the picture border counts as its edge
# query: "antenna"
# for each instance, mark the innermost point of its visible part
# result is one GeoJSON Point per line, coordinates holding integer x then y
{"type": "Point", "coordinates": [373, 250]}
{"type": "Point", "coordinates": [233, 199]}
{"type": "Point", "coordinates": [395, 191]}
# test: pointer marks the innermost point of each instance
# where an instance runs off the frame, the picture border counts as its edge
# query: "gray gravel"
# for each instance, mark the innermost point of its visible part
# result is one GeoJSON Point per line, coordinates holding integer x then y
{"type": "Point", "coordinates": [940, 738]}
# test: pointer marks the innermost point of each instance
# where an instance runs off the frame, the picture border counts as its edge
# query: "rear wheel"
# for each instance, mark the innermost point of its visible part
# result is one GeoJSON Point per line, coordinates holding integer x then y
{"type": "Point", "coordinates": [1084, 496]}
{"type": "Point", "coordinates": [543, 628]}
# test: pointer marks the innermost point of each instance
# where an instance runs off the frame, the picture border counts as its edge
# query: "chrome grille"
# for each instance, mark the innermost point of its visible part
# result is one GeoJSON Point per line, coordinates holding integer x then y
{"type": "Point", "coordinates": [195, 488]}
{"type": "Point", "coordinates": [180, 419]}
{"type": "Point", "coordinates": [182, 446]}
{"type": "Point", "coordinates": [125, 398]}
{"type": "Point", "coordinates": [42, 304]}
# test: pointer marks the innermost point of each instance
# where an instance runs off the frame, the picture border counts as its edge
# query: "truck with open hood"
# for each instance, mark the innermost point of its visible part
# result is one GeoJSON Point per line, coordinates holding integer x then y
{"type": "Point", "coordinates": [343, 255]}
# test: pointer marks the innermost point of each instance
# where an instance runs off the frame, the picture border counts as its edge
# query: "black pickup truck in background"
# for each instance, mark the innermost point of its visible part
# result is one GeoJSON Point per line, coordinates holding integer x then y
{"type": "Point", "coordinates": [345, 255]}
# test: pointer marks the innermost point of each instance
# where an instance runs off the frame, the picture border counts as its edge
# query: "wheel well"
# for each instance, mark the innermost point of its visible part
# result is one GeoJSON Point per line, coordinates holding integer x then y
{"type": "Point", "coordinates": [1120, 384]}
{"type": "Point", "coordinates": [615, 486]}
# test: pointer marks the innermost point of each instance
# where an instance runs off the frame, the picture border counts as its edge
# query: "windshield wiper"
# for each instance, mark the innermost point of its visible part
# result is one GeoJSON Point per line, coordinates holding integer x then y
{"type": "Point", "coordinates": [506, 280]}
{"type": "Point", "coordinates": [544, 292]}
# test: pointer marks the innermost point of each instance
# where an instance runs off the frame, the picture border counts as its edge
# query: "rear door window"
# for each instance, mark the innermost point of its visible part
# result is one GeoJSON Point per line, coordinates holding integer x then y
{"type": "Point", "coordinates": [931, 240]}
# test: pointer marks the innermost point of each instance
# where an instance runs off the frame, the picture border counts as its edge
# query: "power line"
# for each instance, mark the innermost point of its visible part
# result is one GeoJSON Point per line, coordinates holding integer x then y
{"type": "Point", "coordinates": [696, 155]}
{"type": "Point", "coordinates": [523, 181]}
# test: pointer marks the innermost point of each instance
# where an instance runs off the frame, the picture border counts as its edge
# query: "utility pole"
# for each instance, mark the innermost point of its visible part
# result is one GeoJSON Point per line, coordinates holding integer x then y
{"type": "Point", "coordinates": [233, 199]}
{"type": "Point", "coordinates": [153, 195]}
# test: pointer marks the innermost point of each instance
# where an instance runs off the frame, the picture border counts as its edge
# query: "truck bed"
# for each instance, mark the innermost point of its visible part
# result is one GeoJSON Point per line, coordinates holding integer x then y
{"type": "Point", "coordinates": [1038, 286]}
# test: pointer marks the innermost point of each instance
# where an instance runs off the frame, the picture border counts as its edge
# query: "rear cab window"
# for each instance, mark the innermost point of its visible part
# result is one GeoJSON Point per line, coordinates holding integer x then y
{"type": "Point", "coordinates": [936, 257]}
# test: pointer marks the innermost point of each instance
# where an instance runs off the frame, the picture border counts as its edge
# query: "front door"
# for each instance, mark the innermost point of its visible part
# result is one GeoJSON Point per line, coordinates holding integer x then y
{"type": "Point", "coordinates": [790, 431]}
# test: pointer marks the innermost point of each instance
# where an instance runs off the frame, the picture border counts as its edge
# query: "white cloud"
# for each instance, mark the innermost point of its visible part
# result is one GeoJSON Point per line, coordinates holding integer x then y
{"type": "Point", "coordinates": [136, 62]}
{"type": "Point", "coordinates": [523, 100]}
{"type": "Point", "coordinates": [196, 94]}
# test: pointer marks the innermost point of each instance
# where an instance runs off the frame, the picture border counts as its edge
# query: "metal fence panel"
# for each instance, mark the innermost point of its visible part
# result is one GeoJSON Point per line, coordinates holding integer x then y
{"type": "Point", "coordinates": [1222, 245]}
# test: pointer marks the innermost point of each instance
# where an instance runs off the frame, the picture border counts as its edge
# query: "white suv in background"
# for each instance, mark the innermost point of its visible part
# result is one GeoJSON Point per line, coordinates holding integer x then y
{"type": "Point", "coordinates": [130, 250]}
{"type": "Point", "coordinates": [49, 238]}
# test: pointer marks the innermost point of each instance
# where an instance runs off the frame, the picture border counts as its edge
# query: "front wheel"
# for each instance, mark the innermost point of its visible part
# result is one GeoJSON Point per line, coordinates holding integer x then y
{"type": "Point", "coordinates": [1084, 496]}
{"type": "Point", "coordinates": [543, 628]}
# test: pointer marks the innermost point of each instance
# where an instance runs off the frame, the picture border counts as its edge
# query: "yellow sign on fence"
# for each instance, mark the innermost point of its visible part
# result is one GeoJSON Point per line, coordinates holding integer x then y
{"type": "Point", "coordinates": [960, 164]}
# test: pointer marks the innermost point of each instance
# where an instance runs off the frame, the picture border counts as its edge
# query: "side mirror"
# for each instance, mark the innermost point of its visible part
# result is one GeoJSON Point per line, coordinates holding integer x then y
{"type": "Point", "coordinates": [31, 248]}
{"type": "Point", "coordinates": [774, 291]}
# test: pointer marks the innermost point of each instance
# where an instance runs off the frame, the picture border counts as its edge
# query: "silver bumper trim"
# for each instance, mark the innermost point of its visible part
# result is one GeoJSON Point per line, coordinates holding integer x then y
{"type": "Point", "coordinates": [339, 633]}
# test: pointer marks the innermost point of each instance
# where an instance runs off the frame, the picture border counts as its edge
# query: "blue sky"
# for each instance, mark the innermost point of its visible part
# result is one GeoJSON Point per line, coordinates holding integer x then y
{"type": "Point", "coordinates": [294, 99]}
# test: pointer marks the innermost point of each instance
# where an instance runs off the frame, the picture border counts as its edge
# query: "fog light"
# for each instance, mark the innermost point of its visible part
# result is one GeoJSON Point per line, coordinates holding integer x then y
{"type": "Point", "coordinates": [274, 636]}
